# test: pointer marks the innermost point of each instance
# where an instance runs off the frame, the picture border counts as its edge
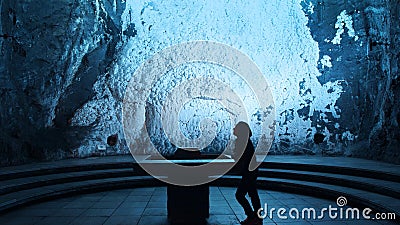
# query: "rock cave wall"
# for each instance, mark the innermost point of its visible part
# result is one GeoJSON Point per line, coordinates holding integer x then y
{"type": "Point", "coordinates": [333, 67]}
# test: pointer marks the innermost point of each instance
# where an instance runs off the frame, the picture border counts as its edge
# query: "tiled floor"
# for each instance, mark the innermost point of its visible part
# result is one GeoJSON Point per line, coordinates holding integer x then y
{"type": "Point", "coordinates": [147, 206]}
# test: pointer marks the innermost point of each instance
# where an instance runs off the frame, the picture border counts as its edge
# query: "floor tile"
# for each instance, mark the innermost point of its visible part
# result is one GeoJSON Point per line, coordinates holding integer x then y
{"type": "Point", "coordinates": [97, 212]}
{"type": "Point", "coordinates": [138, 198]}
{"type": "Point", "coordinates": [68, 213]}
{"type": "Point", "coordinates": [128, 211]}
{"type": "Point", "coordinates": [148, 206]}
{"type": "Point", "coordinates": [78, 205]}
{"type": "Point", "coordinates": [223, 219]}
{"type": "Point", "coordinates": [11, 220]}
{"type": "Point", "coordinates": [153, 220]}
{"type": "Point", "coordinates": [133, 204]}
{"type": "Point", "coordinates": [155, 212]}
{"type": "Point", "coordinates": [221, 210]}
{"type": "Point", "coordinates": [92, 220]}
{"type": "Point", "coordinates": [56, 220]}
{"type": "Point", "coordinates": [106, 205]}
{"type": "Point", "coordinates": [122, 220]}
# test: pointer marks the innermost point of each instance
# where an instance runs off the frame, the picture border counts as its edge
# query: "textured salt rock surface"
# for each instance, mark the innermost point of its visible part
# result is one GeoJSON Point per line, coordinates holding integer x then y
{"type": "Point", "coordinates": [332, 65]}
{"type": "Point", "coordinates": [281, 45]}
{"type": "Point", "coordinates": [344, 21]}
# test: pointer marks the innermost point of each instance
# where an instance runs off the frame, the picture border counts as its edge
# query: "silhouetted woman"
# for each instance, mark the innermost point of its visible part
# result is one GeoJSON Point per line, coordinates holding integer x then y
{"type": "Point", "coordinates": [248, 183]}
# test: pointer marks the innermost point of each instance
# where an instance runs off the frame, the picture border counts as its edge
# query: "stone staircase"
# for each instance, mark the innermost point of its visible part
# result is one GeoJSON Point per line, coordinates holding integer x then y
{"type": "Point", "coordinates": [364, 183]}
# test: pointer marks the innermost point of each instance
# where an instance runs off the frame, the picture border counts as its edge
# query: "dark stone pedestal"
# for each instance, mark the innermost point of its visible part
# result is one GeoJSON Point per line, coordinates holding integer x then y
{"type": "Point", "coordinates": [188, 204]}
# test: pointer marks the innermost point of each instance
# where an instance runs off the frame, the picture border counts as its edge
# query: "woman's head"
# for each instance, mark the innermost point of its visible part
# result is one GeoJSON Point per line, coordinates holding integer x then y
{"type": "Point", "coordinates": [242, 130]}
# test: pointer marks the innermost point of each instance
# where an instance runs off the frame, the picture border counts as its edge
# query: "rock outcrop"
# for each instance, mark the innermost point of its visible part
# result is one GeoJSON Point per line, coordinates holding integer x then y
{"type": "Point", "coordinates": [333, 65]}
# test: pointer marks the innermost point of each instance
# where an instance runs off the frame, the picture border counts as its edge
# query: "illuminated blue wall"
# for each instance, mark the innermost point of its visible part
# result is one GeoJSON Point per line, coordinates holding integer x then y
{"type": "Point", "coordinates": [280, 43]}
{"type": "Point", "coordinates": [66, 67]}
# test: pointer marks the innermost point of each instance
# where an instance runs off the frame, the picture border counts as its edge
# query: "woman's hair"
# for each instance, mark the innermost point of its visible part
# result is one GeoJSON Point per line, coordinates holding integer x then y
{"type": "Point", "coordinates": [243, 128]}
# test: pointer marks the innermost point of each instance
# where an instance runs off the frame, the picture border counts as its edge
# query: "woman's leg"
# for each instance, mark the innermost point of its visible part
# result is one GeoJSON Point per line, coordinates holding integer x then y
{"type": "Point", "coordinates": [255, 199]}
{"type": "Point", "coordinates": [241, 198]}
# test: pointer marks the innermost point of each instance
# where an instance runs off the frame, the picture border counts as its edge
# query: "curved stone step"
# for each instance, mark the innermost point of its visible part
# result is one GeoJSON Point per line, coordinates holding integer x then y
{"type": "Point", "coordinates": [332, 165]}
{"type": "Point", "coordinates": [363, 186]}
{"type": "Point", "coordinates": [368, 184]}
{"type": "Point", "coordinates": [69, 165]}
{"type": "Point", "coordinates": [39, 194]}
{"type": "Point", "coordinates": [335, 169]}
{"type": "Point", "coordinates": [337, 162]}
{"type": "Point", "coordinates": [383, 187]}
{"type": "Point", "coordinates": [355, 197]}
{"type": "Point", "coordinates": [25, 183]}
{"type": "Point", "coordinates": [62, 175]}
